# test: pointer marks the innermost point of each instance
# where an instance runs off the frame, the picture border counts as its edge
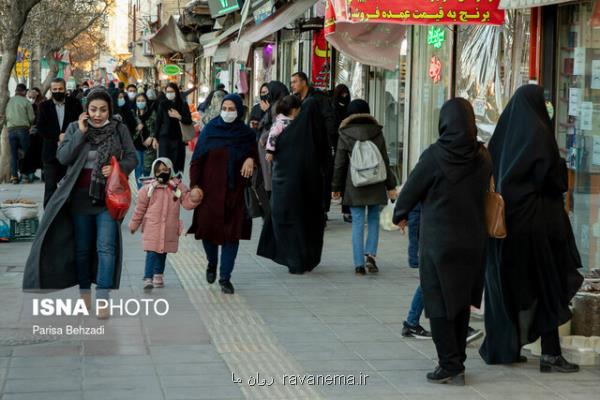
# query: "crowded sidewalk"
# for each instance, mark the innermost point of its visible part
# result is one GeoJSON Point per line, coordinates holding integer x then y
{"type": "Point", "coordinates": [287, 330]}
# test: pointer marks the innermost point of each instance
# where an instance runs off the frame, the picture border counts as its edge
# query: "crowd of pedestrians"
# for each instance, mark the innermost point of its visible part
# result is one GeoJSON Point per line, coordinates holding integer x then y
{"type": "Point", "coordinates": [309, 148]}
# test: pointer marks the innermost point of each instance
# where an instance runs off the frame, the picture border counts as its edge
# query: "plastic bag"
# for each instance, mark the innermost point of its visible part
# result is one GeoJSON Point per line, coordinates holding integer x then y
{"type": "Point", "coordinates": [118, 193]}
{"type": "Point", "coordinates": [19, 211]}
{"type": "Point", "coordinates": [4, 231]}
{"type": "Point", "coordinates": [385, 218]}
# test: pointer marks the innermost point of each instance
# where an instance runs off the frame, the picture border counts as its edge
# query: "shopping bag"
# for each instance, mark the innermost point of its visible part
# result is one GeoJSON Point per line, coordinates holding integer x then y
{"type": "Point", "coordinates": [188, 132]}
{"type": "Point", "coordinates": [385, 218]}
{"type": "Point", "coordinates": [118, 193]}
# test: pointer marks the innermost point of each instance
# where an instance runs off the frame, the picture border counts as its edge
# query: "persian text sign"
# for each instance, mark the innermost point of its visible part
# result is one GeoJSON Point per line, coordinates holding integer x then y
{"type": "Point", "coordinates": [418, 12]}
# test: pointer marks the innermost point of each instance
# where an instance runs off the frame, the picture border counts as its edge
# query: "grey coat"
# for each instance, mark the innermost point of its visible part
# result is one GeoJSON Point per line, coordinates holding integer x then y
{"type": "Point", "coordinates": [51, 262]}
{"type": "Point", "coordinates": [360, 127]}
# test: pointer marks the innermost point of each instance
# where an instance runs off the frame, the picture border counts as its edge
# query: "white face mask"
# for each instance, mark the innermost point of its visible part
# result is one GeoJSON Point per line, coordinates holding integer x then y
{"type": "Point", "coordinates": [229, 116]}
{"type": "Point", "coordinates": [151, 95]}
{"type": "Point", "coordinates": [31, 100]}
{"type": "Point", "coordinates": [131, 95]}
{"type": "Point", "coordinates": [170, 96]}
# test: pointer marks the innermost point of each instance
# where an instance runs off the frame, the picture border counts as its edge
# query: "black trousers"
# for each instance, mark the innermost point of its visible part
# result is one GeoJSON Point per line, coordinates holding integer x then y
{"type": "Point", "coordinates": [551, 343]}
{"type": "Point", "coordinates": [53, 173]}
{"type": "Point", "coordinates": [450, 338]}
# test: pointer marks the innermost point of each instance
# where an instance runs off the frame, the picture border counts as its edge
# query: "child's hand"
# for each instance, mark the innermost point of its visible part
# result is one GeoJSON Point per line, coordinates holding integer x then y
{"type": "Point", "coordinates": [269, 157]}
{"type": "Point", "coordinates": [196, 195]}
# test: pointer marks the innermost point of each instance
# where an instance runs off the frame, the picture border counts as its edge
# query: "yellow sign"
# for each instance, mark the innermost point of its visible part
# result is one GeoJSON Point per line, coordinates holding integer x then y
{"type": "Point", "coordinates": [22, 69]}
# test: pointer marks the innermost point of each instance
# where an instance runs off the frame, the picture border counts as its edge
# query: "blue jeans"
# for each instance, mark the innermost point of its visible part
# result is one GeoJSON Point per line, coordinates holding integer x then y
{"type": "Point", "coordinates": [414, 221]}
{"type": "Point", "coordinates": [416, 308]}
{"type": "Point", "coordinates": [139, 169]}
{"type": "Point", "coordinates": [359, 249]}
{"type": "Point", "coordinates": [155, 264]}
{"type": "Point", "coordinates": [228, 254]}
{"type": "Point", "coordinates": [101, 229]}
{"type": "Point", "coordinates": [18, 138]}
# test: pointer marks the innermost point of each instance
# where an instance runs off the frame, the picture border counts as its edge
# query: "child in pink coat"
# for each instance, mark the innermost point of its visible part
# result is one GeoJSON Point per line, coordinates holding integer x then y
{"type": "Point", "coordinates": [157, 212]}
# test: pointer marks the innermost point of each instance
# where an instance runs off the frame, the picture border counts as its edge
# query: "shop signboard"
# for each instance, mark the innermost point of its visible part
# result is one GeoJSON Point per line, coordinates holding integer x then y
{"type": "Point", "coordinates": [171, 69]}
{"type": "Point", "coordinates": [222, 7]}
{"type": "Point", "coordinates": [262, 10]}
{"type": "Point", "coordinates": [321, 60]}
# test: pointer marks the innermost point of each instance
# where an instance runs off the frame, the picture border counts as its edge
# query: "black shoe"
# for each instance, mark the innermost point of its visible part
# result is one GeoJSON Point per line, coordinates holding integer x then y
{"type": "Point", "coordinates": [371, 265]}
{"type": "Point", "coordinates": [360, 271]}
{"type": "Point", "coordinates": [211, 273]}
{"type": "Point", "coordinates": [417, 332]}
{"type": "Point", "coordinates": [440, 375]}
{"type": "Point", "coordinates": [557, 364]}
{"type": "Point", "coordinates": [348, 218]}
{"type": "Point", "coordinates": [473, 334]}
{"type": "Point", "coordinates": [226, 287]}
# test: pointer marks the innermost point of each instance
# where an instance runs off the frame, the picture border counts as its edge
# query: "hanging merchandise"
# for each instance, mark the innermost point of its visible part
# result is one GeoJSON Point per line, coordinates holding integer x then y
{"type": "Point", "coordinates": [321, 60]}
{"type": "Point", "coordinates": [242, 84]}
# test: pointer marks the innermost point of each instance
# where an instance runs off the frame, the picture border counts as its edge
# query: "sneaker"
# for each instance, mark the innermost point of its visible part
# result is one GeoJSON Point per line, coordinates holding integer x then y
{"type": "Point", "coordinates": [14, 180]}
{"type": "Point", "coordinates": [417, 332]}
{"type": "Point", "coordinates": [148, 284]}
{"type": "Point", "coordinates": [473, 334]}
{"type": "Point", "coordinates": [360, 270]}
{"type": "Point", "coordinates": [227, 287]}
{"type": "Point", "coordinates": [158, 281]}
{"type": "Point", "coordinates": [371, 265]}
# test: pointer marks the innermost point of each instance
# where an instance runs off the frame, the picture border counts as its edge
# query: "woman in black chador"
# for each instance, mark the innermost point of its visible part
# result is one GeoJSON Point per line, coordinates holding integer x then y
{"type": "Point", "coordinates": [450, 181]}
{"type": "Point", "coordinates": [532, 274]}
{"type": "Point", "coordinates": [293, 235]}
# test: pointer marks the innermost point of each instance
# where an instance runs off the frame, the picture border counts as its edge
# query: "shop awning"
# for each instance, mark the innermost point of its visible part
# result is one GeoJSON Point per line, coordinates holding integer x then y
{"type": "Point", "coordinates": [372, 32]}
{"type": "Point", "coordinates": [213, 40]}
{"type": "Point", "coordinates": [280, 19]}
{"type": "Point", "coordinates": [169, 39]}
{"type": "Point", "coordinates": [513, 4]}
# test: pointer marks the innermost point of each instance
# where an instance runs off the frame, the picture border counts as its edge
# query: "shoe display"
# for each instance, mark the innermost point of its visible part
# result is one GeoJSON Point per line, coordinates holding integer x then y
{"type": "Point", "coordinates": [227, 287]}
{"type": "Point", "coordinates": [417, 332]}
{"type": "Point", "coordinates": [360, 271]}
{"type": "Point", "coordinates": [371, 265]}
{"type": "Point", "coordinates": [473, 334]}
{"type": "Point", "coordinates": [557, 364]}
{"type": "Point", "coordinates": [440, 375]}
{"type": "Point", "coordinates": [158, 281]}
{"type": "Point", "coordinates": [211, 273]}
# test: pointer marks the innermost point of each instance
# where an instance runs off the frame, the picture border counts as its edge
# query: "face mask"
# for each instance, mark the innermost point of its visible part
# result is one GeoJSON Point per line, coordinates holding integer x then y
{"type": "Point", "coordinates": [141, 105]}
{"type": "Point", "coordinates": [58, 96]}
{"type": "Point", "coordinates": [229, 116]}
{"type": "Point", "coordinates": [99, 126]}
{"type": "Point", "coordinates": [151, 95]}
{"type": "Point", "coordinates": [163, 177]}
{"type": "Point", "coordinates": [550, 109]}
{"type": "Point", "coordinates": [85, 90]}
{"type": "Point", "coordinates": [264, 97]}
{"type": "Point", "coordinates": [344, 101]}
{"type": "Point", "coordinates": [121, 102]}
{"type": "Point", "coordinates": [31, 100]}
{"type": "Point", "coordinates": [170, 96]}
{"type": "Point", "coordinates": [131, 95]}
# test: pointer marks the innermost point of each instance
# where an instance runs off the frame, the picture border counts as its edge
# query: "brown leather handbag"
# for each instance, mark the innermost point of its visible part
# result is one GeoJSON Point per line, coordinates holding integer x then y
{"type": "Point", "coordinates": [495, 222]}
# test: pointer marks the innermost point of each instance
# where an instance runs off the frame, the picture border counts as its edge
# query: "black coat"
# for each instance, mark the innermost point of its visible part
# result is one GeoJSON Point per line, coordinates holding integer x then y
{"type": "Point", "coordinates": [293, 235]}
{"type": "Point", "coordinates": [360, 127]}
{"type": "Point", "coordinates": [48, 127]}
{"type": "Point", "coordinates": [450, 182]}
{"type": "Point", "coordinates": [168, 132]}
{"type": "Point", "coordinates": [532, 273]}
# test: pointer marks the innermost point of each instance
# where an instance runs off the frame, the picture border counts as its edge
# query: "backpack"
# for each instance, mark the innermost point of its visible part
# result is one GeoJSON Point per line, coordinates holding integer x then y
{"type": "Point", "coordinates": [366, 164]}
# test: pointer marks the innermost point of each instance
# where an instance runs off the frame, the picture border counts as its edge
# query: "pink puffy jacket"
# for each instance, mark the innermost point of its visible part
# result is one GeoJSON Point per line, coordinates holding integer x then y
{"type": "Point", "coordinates": [159, 217]}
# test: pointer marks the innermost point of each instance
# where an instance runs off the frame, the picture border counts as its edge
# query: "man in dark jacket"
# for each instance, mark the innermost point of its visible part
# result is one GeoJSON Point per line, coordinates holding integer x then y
{"type": "Point", "coordinates": [53, 118]}
{"type": "Point", "coordinates": [302, 89]}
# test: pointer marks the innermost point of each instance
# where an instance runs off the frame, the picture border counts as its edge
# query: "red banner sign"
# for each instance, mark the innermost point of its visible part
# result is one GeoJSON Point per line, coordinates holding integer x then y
{"type": "Point", "coordinates": [321, 60]}
{"type": "Point", "coordinates": [417, 12]}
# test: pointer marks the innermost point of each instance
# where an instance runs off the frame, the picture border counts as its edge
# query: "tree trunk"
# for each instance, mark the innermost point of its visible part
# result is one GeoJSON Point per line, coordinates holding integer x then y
{"type": "Point", "coordinates": [36, 67]}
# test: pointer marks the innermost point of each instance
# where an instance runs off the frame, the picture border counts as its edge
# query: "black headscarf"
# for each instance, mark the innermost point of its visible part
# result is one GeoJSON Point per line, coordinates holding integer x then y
{"type": "Point", "coordinates": [358, 106]}
{"type": "Point", "coordinates": [456, 150]}
{"type": "Point", "coordinates": [523, 147]}
{"type": "Point", "coordinates": [277, 91]}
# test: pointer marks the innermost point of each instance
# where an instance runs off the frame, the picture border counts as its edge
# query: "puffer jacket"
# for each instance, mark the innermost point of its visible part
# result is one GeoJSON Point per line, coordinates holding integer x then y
{"type": "Point", "coordinates": [360, 127]}
{"type": "Point", "coordinates": [158, 215]}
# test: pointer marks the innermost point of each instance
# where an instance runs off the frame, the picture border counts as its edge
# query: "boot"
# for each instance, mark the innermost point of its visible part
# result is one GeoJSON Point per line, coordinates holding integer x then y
{"type": "Point", "coordinates": [557, 364]}
{"type": "Point", "coordinates": [87, 299]}
{"type": "Point", "coordinates": [440, 375]}
{"type": "Point", "coordinates": [211, 273]}
{"type": "Point", "coordinates": [103, 313]}
{"type": "Point", "coordinates": [227, 287]}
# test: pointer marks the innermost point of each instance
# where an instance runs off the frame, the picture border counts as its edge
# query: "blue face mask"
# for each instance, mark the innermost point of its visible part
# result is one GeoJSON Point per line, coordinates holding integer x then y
{"type": "Point", "coordinates": [141, 105]}
{"type": "Point", "coordinates": [120, 102]}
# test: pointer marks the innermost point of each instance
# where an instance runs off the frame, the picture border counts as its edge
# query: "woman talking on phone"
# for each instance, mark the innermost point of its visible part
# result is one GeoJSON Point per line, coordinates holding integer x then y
{"type": "Point", "coordinates": [78, 242]}
{"type": "Point", "coordinates": [172, 112]}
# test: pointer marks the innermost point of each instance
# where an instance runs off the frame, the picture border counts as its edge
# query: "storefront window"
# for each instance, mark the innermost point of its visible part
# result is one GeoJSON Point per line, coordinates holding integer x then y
{"type": "Point", "coordinates": [352, 74]}
{"type": "Point", "coordinates": [578, 120]}
{"type": "Point", "coordinates": [492, 62]}
{"type": "Point", "coordinates": [264, 68]}
{"type": "Point", "coordinates": [431, 86]}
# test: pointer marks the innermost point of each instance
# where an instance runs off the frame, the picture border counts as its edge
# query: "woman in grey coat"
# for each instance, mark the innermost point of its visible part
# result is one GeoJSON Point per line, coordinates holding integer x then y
{"type": "Point", "coordinates": [361, 126]}
{"type": "Point", "coordinates": [78, 242]}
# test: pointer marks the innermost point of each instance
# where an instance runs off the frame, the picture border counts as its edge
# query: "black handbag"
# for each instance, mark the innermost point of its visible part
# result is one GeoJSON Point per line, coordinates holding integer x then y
{"type": "Point", "coordinates": [255, 196]}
